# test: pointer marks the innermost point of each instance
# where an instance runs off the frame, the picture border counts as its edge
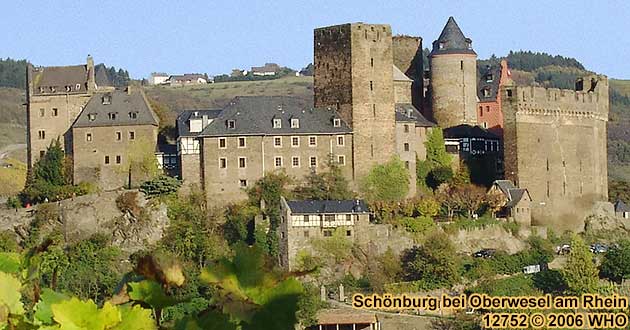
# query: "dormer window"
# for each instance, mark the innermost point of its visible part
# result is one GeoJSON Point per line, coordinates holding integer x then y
{"type": "Point", "coordinates": [469, 45]}
{"type": "Point", "coordinates": [277, 123]}
{"type": "Point", "coordinates": [112, 115]}
{"type": "Point", "coordinates": [53, 89]}
{"type": "Point", "coordinates": [441, 45]}
{"type": "Point", "coordinates": [486, 92]}
{"type": "Point", "coordinates": [78, 87]}
{"type": "Point", "coordinates": [133, 115]}
{"type": "Point", "coordinates": [231, 124]}
{"type": "Point", "coordinates": [41, 90]}
{"type": "Point", "coordinates": [91, 116]}
{"type": "Point", "coordinates": [489, 77]}
{"type": "Point", "coordinates": [107, 99]}
{"type": "Point", "coordinates": [336, 122]}
{"type": "Point", "coordinates": [68, 88]}
{"type": "Point", "coordinates": [295, 123]}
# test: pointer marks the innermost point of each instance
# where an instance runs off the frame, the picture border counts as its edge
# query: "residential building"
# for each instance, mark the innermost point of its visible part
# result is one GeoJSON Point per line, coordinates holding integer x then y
{"type": "Point", "coordinates": [158, 78]}
{"type": "Point", "coordinates": [622, 210]}
{"type": "Point", "coordinates": [490, 80]}
{"type": "Point", "coordinates": [187, 79]}
{"type": "Point", "coordinates": [351, 319]}
{"type": "Point", "coordinates": [269, 69]}
{"type": "Point", "coordinates": [516, 202]}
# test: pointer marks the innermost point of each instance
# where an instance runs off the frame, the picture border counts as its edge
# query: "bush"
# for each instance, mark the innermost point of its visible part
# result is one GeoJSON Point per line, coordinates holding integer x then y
{"type": "Point", "coordinates": [8, 241]}
{"type": "Point", "coordinates": [439, 175]}
{"type": "Point", "coordinates": [419, 225]}
{"type": "Point", "coordinates": [13, 202]}
{"type": "Point", "coordinates": [616, 263]}
{"type": "Point", "coordinates": [435, 262]}
{"type": "Point", "coordinates": [162, 185]}
{"type": "Point", "coordinates": [387, 182]}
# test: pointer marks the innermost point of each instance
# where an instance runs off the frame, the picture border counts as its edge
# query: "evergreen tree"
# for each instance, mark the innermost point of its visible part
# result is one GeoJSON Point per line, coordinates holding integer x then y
{"type": "Point", "coordinates": [580, 272]}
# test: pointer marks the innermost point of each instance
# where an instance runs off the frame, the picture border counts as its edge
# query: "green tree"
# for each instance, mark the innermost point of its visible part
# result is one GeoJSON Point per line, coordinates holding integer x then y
{"type": "Point", "coordinates": [328, 185]}
{"type": "Point", "coordinates": [435, 262]}
{"type": "Point", "coordinates": [580, 272]}
{"type": "Point", "coordinates": [616, 263]}
{"type": "Point", "coordinates": [387, 182]}
{"type": "Point", "coordinates": [162, 185]}
{"type": "Point", "coordinates": [439, 175]}
{"type": "Point", "coordinates": [436, 148]}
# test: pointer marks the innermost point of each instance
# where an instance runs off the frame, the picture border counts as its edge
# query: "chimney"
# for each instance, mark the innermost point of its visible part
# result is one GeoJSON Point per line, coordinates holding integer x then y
{"type": "Point", "coordinates": [204, 121]}
{"type": "Point", "coordinates": [91, 81]}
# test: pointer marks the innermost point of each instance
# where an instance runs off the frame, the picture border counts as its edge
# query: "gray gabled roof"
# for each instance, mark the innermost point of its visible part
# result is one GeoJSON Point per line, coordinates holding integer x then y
{"type": "Point", "coordinates": [483, 73]}
{"type": "Point", "coordinates": [183, 128]}
{"type": "Point", "coordinates": [406, 112]}
{"type": "Point", "coordinates": [121, 103]}
{"type": "Point", "coordinates": [453, 40]}
{"type": "Point", "coordinates": [328, 206]}
{"type": "Point", "coordinates": [59, 77]}
{"type": "Point", "coordinates": [620, 206]}
{"type": "Point", "coordinates": [513, 194]}
{"type": "Point", "coordinates": [254, 115]}
{"type": "Point", "coordinates": [468, 131]}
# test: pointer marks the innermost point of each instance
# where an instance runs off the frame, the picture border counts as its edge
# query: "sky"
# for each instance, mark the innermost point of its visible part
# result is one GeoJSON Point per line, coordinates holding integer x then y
{"type": "Point", "coordinates": [216, 36]}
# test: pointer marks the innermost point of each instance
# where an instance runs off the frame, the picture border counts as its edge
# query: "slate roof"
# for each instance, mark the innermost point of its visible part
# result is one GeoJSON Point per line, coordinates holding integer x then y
{"type": "Point", "coordinates": [165, 148]}
{"type": "Point", "coordinates": [453, 40]}
{"type": "Point", "coordinates": [122, 104]}
{"type": "Point", "coordinates": [492, 86]}
{"type": "Point", "coordinates": [468, 131]}
{"type": "Point", "coordinates": [254, 115]}
{"type": "Point", "coordinates": [183, 129]}
{"type": "Point", "coordinates": [59, 77]}
{"type": "Point", "coordinates": [511, 192]}
{"type": "Point", "coordinates": [328, 206]}
{"type": "Point", "coordinates": [402, 115]}
{"type": "Point", "coordinates": [268, 67]}
{"type": "Point", "coordinates": [620, 206]}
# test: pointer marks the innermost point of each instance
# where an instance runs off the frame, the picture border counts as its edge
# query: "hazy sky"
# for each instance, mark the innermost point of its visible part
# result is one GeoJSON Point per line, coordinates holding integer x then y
{"type": "Point", "coordinates": [213, 37]}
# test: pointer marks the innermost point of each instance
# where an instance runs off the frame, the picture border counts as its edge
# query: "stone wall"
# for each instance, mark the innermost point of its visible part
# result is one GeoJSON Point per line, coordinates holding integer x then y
{"type": "Point", "coordinates": [454, 89]}
{"type": "Point", "coordinates": [555, 146]}
{"type": "Point", "coordinates": [353, 72]}
{"type": "Point", "coordinates": [89, 156]}
{"type": "Point", "coordinates": [407, 53]}
{"type": "Point", "coordinates": [223, 185]}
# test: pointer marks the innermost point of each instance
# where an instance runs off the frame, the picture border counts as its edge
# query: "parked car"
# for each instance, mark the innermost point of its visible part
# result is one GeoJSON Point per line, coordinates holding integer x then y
{"type": "Point", "coordinates": [563, 249]}
{"type": "Point", "coordinates": [598, 248]}
{"type": "Point", "coordinates": [485, 253]}
{"type": "Point", "coordinates": [532, 269]}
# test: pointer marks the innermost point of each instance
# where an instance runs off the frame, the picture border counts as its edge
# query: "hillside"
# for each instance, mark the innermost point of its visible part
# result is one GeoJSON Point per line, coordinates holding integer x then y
{"type": "Point", "coordinates": [12, 116]}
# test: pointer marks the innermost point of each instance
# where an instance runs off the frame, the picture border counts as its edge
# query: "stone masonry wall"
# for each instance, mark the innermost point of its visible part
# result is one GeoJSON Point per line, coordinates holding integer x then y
{"type": "Point", "coordinates": [555, 146]}
{"type": "Point", "coordinates": [454, 89]}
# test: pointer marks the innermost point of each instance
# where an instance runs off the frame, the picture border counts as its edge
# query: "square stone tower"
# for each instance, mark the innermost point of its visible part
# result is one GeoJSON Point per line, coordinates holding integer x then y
{"type": "Point", "coordinates": [353, 73]}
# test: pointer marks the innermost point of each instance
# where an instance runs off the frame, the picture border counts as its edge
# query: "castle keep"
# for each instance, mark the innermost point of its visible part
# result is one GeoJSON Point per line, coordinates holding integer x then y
{"type": "Point", "coordinates": [555, 145]}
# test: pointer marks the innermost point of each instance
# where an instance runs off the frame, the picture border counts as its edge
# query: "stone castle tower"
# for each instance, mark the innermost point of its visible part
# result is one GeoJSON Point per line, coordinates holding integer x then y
{"type": "Point", "coordinates": [453, 78]}
{"type": "Point", "coordinates": [353, 73]}
{"type": "Point", "coordinates": [555, 146]}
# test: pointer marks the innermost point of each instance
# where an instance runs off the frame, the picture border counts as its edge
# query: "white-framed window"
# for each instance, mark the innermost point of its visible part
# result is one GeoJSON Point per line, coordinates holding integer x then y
{"type": "Point", "coordinates": [78, 86]}
{"type": "Point", "coordinates": [222, 162]}
{"type": "Point", "coordinates": [91, 116]}
{"type": "Point", "coordinates": [406, 146]}
{"type": "Point", "coordinates": [242, 142]}
{"type": "Point", "coordinates": [295, 161]}
{"type": "Point", "coordinates": [106, 160]}
{"type": "Point", "coordinates": [132, 135]}
{"type": "Point", "coordinates": [277, 123]}
{"type": "Point", "coordinates": [242, 162]}
{"type": "Point", "coordinates": [341, 141]}
{"type": "Point", "coordinates": [406, 128]}
{"type": "Point", "coordinates": [295, 141]}
{"type": "Point", "coordinates": [242, 183]}
{"type": "Point", "coordinates": [222, 143]}
{"type": "Point", "coordinates": [88, 137]}
{"type": "Point", "coordinates": [278, 161]}
{"type": "Point", "coordinates": [112, 115]}
{"type": "Point", "coordinates": [133, 115]}
{"type": "Point", "coordinates": [312, 161]}
{"type": "Point", "coordinates": [41, 134]}
{"type": "Point", "coordinates": [341, 160]}
{"type": "Point", "coordinates": [118, 159]}
{"type": "Point", "coordinates": [337, 122]}
{"type": "Point", "coordinates": [277, 141]}
{"type": "Point", "coordinates": [231, 124]}
{"type": "Point", "coordinates": [118, 136]}
{"type": "Point", "coordinates": [312, 141]}
{"type": "Point", "coordinates": [55, 112]}
{"type": "Point", "coordinates": [295, 123]}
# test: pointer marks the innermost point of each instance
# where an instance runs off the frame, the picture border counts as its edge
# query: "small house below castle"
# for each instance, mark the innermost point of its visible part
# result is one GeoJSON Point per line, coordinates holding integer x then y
{"type": "Point", "coordinates": [515, 202]}
{"type": "Point", "coordinates": [622, 210]}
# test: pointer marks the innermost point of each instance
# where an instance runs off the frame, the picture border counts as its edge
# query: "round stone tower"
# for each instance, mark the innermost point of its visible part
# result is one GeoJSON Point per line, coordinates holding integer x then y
{"type": "Point", "coordinates": [453, 78]}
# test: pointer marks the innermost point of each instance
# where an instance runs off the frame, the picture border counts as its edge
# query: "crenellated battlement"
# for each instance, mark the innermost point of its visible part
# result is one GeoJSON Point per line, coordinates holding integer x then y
{"type": "Point", "coordinates": [589, 99]}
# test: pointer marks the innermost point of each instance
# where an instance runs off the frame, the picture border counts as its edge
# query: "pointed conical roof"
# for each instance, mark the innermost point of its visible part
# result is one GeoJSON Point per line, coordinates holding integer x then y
{"type": "Point", "coordinates": [452, 40]}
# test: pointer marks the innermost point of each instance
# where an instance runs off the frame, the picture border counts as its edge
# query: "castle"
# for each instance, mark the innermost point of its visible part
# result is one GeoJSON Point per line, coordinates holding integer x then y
{"type": "Point", "coordinates": [373, 101]}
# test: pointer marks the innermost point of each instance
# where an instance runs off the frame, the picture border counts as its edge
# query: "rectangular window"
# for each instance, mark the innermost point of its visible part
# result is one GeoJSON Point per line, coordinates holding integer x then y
{"type": "Point", "coordinates": [112, 116]}
{"type": "Point", "coordinates": [348, 232]}
{"type": "Point", "coordinates": [132, 135]}
{"type": "Point", "coordinates": [42, 112]}
{"type": "Point", "coordinates": [41, 134]}
{"type": "Point", "coordinates": [106, 160]}
{"type": "Point", "coordinates": [371, 85]}
{"type": "Point", "coordinates": [295, 141]}
{"type": "Point", "coordinates": [374, 110]}
{"type": "Point", "coordinates": [306, 218]}
{"type": "Point", "coordinates": [242, 183]}
{"type": "Point", "coordinates": [42, 153]}
{"type": "Point", "coordinates": [118, 136]}
{"type": "Point", "coordinates": [55, 112]}
{"type": "Point", "coordinates": [295, 161]}
{"type": "Point", "coordinates": [242, 162]}
{"type": "Point", "coordinates": [461, 65]}
{"type": "Point", "coordinates": [348, 217]}
{"type": "Point", "coordinates": [407, 164]}
{"type": "Point", "coordinates": [406, 146]}
{"type": "Point", "coordinates": [295, 123]}
{"type": "Point", "coordinates": [222, 143]}
{"type": "Point", "coordinates": [340, 141]}
{"type": "Point", "coordinates": [242, 142]}
{"type": "Point", "coordinates": [313, 161]}
{"type": "Point", "coordinates": [372, 62]}
{"type": "Point", "coordinates": [337, 122]}
{"type": "Point", "coordinates": [88, 137]}
{"type": "Point", "coordinates": [306, 233]}
{"type": "Point", "coordinates": [278, 161]}
{"type": "Point", "coordinates": [118, 159]}
{"type": "Point", "coordinates": [406, 128]}
{"type": "Point", "coordinates": [222, 162]}
{"type": "Point", "coordinates": [277, 123]}
{"type": "Point", "coordinates": [231, 124]}
{"type": "Point", "coordinates": [327, 233]}
{"type": "Point", "coordinates": [277, 141]}
{"type": "Point", "coordinates": [341, 160]}
{"type": "Point", "coordinates": [312, 141]}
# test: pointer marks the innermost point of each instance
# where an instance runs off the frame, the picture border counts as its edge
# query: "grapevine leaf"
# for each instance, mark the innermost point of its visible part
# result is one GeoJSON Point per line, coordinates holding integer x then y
{"type": "Point", "coordinates": [43, 311]}
{"type": "Point", "coordinates": [10, 262]}
{"type": "Point", "coordinates": [74, 314]}
{"type": "Point", "coordinates": [135, 317]}
{"type": "Point", "coordinates": [10, 294]}
{"type": "Point", "coordinates": [150, 292]}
